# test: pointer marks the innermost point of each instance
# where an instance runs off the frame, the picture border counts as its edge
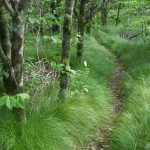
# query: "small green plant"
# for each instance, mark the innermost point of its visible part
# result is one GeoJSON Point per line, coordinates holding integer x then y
{"type": "Point", "coordinates": [57, 67]}
{"type": "Point", "coordinates": [17, 101]}
{"type": "Point", "coordinates": [79, 86]}
{"type": "Point", "coordinates": [54, 38]}
{"type": "Point", "coordinates": [32, 84]}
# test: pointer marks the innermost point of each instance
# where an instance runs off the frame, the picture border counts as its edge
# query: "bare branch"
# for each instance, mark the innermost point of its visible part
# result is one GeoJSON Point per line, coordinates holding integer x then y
{"type": "Point", "coordinates": [136, 35]}
{"type": "Point", "coordinates": [9, 7]}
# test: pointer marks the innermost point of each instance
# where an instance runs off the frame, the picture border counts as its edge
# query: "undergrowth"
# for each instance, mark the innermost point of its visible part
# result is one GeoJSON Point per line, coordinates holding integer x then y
{"type": "Point", "coordinates": [132, 130]}
{"type": "Point", "coordinates": [52, 125]}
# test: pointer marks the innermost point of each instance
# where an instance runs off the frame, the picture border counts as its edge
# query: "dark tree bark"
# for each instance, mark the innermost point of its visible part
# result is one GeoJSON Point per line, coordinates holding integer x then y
{"type": "Point", "coordinates": [9, 81]}
{"type": "Point", "coordinates": [4, 33]}
{"type": "Point", "coordinates": [65, 54]}
{"type": "Point", "coordinates": [42, 13]}
{"type": "Point", "coordinates": [104, 12]}
{"type": "Point", "coordinates": [90, 14]}
{"type": "Point", "coordinates": [88, 17]}
{"type": "Point", "coordinates": [118, 13]}
{"type": "Point", "coordinates": [54, 5]}
{"type": "Point", "coordinates": [81, 26]}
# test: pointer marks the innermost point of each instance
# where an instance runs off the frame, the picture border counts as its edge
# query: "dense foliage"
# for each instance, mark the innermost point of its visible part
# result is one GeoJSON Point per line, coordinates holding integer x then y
{"type": "Point", "coordinates": [57, 59]}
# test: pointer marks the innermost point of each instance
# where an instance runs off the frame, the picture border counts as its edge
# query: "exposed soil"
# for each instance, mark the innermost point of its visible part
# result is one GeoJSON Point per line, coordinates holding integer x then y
{"type": "Point", "coordinates": [103, 139]}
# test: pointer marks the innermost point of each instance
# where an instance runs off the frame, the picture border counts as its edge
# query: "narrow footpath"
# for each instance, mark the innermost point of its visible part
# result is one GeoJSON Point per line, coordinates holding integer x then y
{"type": "Point", "coordinates": [103, 139]}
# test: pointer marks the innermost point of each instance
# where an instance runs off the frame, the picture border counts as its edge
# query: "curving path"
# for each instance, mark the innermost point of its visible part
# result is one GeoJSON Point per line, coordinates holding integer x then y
{"type": "Point", "coordinates": [103, 139]}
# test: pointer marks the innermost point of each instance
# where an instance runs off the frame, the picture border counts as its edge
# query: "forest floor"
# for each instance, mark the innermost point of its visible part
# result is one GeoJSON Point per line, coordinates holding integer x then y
{"type": "Point", "coordinates": [103, 138]}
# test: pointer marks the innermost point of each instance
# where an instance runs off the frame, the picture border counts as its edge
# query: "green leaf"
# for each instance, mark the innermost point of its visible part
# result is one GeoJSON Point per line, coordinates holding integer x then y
{"type": "Point", "coordinates": [61, 65]}
{"type": "Point", "coordinates": [24, 96]}
{"type": "Point", "coordinates": [47, 37]}
{"type": "Point", "coordinates": [86, 90]}
{"type": "Point", "coordinates": [78, 35]}
{"type": "Point", "coordinates": [53, 64]}
{"type": "Point", "coordinates": [54, 39]}
{"type": "Point", "coordinates": [20, 102]}
{"type": "Point", "coordinates": [8, 103]}
{"type": "Point", "coordinates": [2, 100]}
{"type": "Point", "coordinates": [31, 20]}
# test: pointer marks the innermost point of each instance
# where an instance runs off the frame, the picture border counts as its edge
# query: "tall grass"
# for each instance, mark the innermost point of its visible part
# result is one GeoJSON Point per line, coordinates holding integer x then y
{"type": "Point", "coordinates": [56, 126]}
{"type": "Point", "coordinates": [132, 131]}
{"type": "Point", "coordinates": [132, 128]}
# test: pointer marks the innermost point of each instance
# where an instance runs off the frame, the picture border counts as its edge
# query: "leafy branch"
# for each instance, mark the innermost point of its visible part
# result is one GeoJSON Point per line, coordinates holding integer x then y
{"type": "Point", "coordinates": [17, 101]}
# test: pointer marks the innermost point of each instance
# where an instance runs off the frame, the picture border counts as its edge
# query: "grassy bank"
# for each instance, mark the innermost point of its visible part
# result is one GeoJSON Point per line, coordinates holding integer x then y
{"type": "Point", "coordinates": [132, 131]}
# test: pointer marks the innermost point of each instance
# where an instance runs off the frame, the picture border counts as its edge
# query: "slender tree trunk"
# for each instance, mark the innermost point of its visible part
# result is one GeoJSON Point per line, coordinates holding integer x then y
{"type": "Point", "coordinates": [65, 55]}
{"type": "Point", "coordinates": [89, 26]}
{"type": "Point", "coordinates": [104, 12]}
{"type": "Point", "coordinates": [88, 22]}
{"type": "Point", "coordinates": [81, 25]}
{"type": "Point", "coordinates": [54, 5]}
{"type": "Point", "coordinates": [42, 13]}
{"type": "Point", "coordinates": [4, 33]}
{"type": "Point", "coordinates": [104, 16]}
{"type": "Point", "coordinates": [118, 14]}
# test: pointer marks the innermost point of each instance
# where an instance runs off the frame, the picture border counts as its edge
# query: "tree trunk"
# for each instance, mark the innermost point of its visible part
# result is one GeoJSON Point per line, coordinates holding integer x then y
{"type": "Point", "coordinates": [81, 25]}
{"type": "Point", "coordinates": [13, 64]}
{"type": "Point", "coordinates": [17, 58]}
{"type": "Point", "coordinates": [118, 14]}
{"type": "Point", "coordinates": [54, 5]}
{"type": "Point", "coordinates": [104, 12]}
{"type": "Point", "coordinates": [4, 33]}
{"type": "Point", "coordinates": [9, 80]}
{"type": "Point", "coordinates": [88, 18]}
{"type": "Point", "coordinates": [104, 16]}
{"type": "Point", "coordinates": [17, 49]}
{"type": "Point", "coordinates": [65, 54]}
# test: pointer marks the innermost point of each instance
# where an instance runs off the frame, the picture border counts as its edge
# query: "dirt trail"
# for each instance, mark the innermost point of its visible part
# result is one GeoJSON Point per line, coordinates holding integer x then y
{"type": "Point", "coordinates": [103, 139]}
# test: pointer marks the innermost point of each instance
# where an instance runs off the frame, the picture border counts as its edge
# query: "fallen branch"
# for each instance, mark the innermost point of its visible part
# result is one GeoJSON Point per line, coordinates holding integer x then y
{"type": "Point", "coordinates": [136, 35]}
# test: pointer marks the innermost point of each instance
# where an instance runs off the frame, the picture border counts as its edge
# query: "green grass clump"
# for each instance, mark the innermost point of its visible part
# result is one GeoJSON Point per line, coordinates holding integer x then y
{"type": "Point", "coordinates": [41, 48]}
{"type": "Point", "coordinates": [110, 40]}
{"type": "Point", "coordinates": [132, 131]}
{"type": "Point", "coordinates": [100, 59]}
{"type": "Point", "coordinates": [65, 126]}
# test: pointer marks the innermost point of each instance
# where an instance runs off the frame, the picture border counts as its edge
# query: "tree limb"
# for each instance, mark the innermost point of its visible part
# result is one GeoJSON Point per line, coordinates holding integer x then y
{"type": "Point", "coordinates": [9, 7]}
